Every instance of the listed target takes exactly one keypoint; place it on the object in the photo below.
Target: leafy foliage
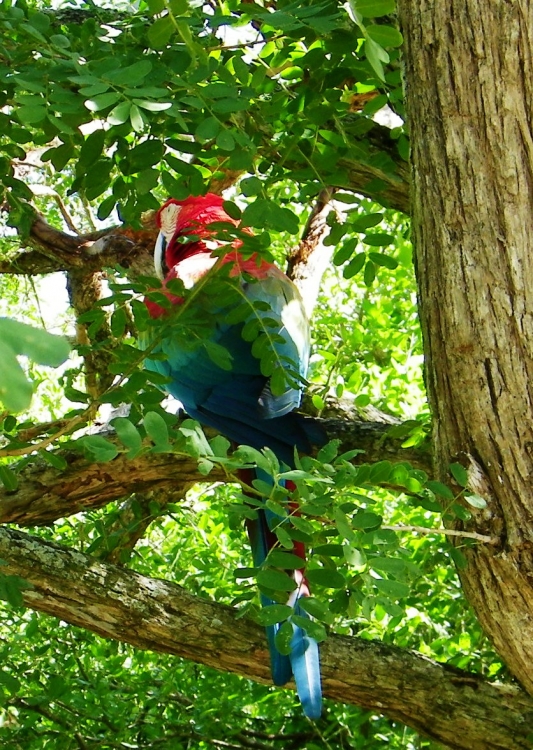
(41, 347)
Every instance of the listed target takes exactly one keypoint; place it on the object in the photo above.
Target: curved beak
(159, 255)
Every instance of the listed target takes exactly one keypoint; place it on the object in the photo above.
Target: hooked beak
(159, 255)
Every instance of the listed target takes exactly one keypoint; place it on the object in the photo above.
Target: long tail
(303, 661)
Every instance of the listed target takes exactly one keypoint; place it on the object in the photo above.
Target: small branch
(65, 214)
(447, 532)
(308, 263)
(68, 426)
(85, 289)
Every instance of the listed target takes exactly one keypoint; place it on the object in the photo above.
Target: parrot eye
(161, 267)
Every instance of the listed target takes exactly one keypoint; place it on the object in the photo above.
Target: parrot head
(190, 216)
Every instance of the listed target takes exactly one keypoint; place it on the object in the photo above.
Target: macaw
(237, 398)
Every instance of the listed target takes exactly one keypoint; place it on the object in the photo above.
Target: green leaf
(15, 390)
(10, 682)
(331, 579)
(313, 629)
(396, 589)
(378, 240)
(54, 459)
(128, 435)
(383, 260)
(393, 565)
(380, 472)
(132, 74)
(156, 429)
(92, 148)
(31, 114)
(241, 573)
(251, 186)
(273, 613)
(374, 8)
(119, 114)
(329, 550)
(354, 556)
(458, 558)
(459, 473)
(218, 354)
(225, 140)
(208, 129)
(8, 478)
(106, 207)
(96, 88)
(440, 489)
(152, 106)
(354, 266)
(276, 580)
(366, 221)
(367, 520)
(287, 560)
(476, 501)
(386, 36)
(136, 119)
(160, 32)
(98, 448)
(283, 638)
(283, 219)
(38, 345)
(376, 56)
(96, 103)
(145, 155)
(345, 251)
(316, 608)
(284, 538)
(118, 322)
(343, 525)
(11, 588)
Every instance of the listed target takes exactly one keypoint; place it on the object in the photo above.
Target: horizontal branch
(53, 250)
(45, 493)
(456, 708)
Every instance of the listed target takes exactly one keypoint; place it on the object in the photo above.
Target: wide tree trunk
(469, 80)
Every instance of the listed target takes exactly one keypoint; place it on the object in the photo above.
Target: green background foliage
(107, 110)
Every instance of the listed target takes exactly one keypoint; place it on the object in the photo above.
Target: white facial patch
(168, 219)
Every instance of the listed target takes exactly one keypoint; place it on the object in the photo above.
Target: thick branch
(54, 250)
(308, 262)
(46, 494)
(459, 709)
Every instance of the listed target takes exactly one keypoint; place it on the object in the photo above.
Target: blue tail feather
(303, 662)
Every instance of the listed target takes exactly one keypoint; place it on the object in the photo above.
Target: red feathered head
(191, 216)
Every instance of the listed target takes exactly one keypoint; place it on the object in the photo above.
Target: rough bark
(307, 264)
(469, 71)
(456, 708)
(46, 494)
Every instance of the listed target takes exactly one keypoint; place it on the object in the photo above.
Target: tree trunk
(469, 77)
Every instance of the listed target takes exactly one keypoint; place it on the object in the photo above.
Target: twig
(24, 450)
(447, 532)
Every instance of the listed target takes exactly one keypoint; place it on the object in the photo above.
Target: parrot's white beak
(159, 255)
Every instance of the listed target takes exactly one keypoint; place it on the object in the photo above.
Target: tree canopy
(130, 612)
